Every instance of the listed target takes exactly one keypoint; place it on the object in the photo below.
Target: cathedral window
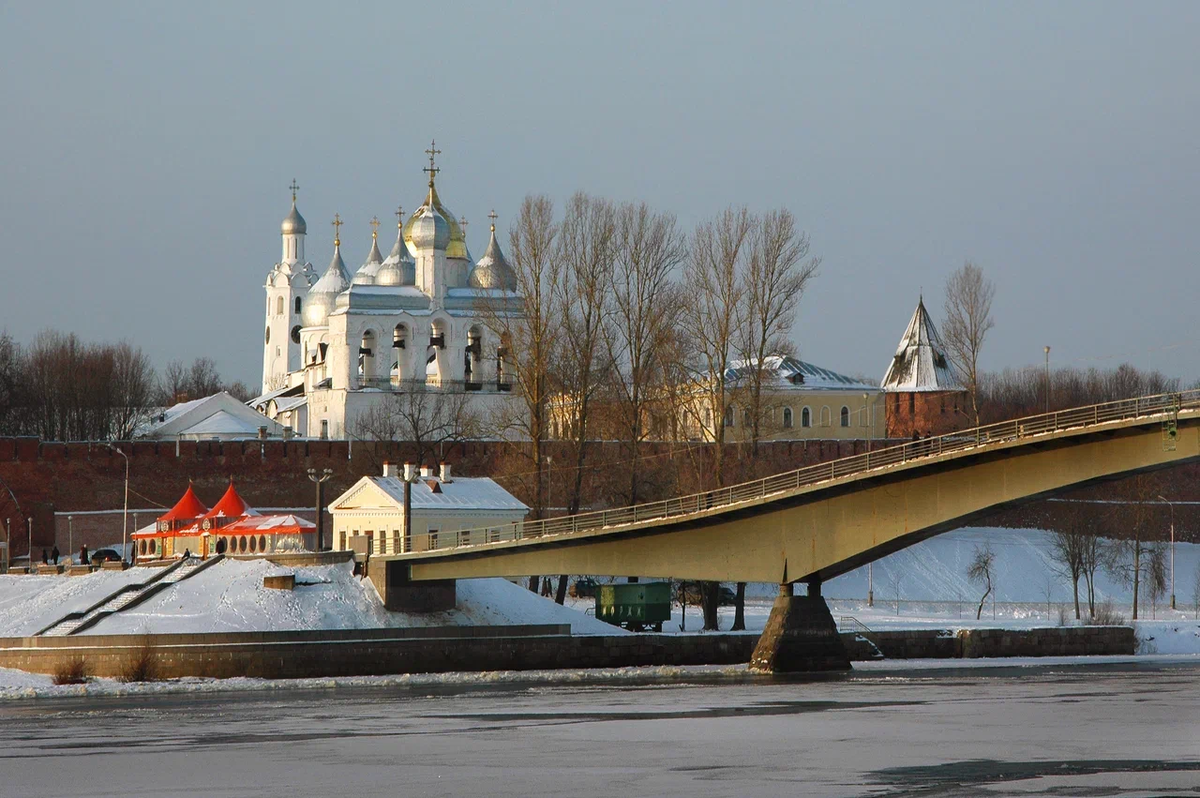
(279, 306)
(845, 416)
(806, 417)
(787, 418)
(297, 306)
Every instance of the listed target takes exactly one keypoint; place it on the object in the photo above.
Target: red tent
(187, 508)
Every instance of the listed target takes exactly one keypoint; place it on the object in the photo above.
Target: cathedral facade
(342, 343)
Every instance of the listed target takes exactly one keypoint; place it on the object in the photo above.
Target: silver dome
(367, 272)
(431, 230)
(492, 271)
(323, 295)
(294, 223)
(399, 268)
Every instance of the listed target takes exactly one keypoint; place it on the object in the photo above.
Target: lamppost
(125, 509)
(70, 534)
(1172, 506)
(870, 436)
(319, 478)
(1047, 380)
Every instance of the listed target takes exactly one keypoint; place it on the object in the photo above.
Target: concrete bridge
(817, 522)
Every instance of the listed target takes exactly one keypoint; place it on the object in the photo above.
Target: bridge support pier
(401, 594)
(800, 635)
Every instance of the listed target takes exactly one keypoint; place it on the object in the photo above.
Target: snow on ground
(230, 597)
(29, 603)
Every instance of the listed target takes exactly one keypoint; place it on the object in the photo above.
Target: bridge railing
(932, 447)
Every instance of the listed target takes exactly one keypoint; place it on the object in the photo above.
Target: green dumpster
(635, 606)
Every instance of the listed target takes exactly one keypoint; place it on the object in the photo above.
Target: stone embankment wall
(292, 655)
(368, 652)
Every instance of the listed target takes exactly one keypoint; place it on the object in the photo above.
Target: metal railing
(904, 454)
(397, 385)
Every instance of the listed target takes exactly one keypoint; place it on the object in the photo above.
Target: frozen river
(1097, 729)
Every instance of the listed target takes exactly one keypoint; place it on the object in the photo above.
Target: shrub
(1107, 615)
(71, 672)
(142, 666)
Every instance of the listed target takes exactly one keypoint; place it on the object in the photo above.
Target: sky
(146, 150)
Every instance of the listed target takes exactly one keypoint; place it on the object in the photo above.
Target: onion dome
(323, 294)
(398, 268)
(456, 247)
(366, 273)
(431, 229)
(188, 508)
(492, 271)
(293, 223)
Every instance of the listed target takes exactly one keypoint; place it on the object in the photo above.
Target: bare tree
(581, 360)
(981, 570)
(1124, 557)
(1069, 548)
(133, 390)
(968, 312)
(776, 276)
(528, 337)
(1154, 571)
(641, 329)
(431, 421)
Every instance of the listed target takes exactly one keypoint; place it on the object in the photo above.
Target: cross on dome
(432, 152)
(462, 221)
(294, 187)
(337, 228)
(493, 217)
(399, 215)
(374, 227)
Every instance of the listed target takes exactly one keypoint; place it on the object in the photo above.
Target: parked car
(105, 555)
(584, 587)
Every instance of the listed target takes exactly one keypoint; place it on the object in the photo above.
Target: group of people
(51, 558)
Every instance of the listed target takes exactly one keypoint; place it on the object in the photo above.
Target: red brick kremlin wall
(51, 480)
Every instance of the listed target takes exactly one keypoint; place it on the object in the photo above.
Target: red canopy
(230, 506)
(186, 508)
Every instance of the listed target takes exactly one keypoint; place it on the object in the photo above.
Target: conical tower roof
(231, 505)
(920, 362)
(187, 508)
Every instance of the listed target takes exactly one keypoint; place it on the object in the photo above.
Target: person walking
(45, 558)
(83, 555)
(54, 554)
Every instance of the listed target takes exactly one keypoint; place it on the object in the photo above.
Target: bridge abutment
(401, 594)
(800, 635)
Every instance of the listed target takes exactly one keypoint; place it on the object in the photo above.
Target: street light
(1172, 506)
(1047, 380)
(320, 478)
(125, 509)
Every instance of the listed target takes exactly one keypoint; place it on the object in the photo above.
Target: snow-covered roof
(785, 372)
(216, 416)
(920, 362)
(459, 493)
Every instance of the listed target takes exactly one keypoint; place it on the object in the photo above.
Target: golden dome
(457, 248)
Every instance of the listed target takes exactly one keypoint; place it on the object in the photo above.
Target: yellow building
(371, 513)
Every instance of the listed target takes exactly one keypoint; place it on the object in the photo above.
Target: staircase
(862, 632)
(128, 596)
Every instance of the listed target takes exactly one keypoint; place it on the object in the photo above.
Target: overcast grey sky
(146, 151)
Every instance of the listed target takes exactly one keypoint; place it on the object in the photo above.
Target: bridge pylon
(800, 635)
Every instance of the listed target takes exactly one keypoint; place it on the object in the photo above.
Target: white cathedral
(414, 321)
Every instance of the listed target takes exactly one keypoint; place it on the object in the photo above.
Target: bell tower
(287, 290)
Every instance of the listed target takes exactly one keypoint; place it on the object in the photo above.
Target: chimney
(426, 472)
(409, 472)
(262, 433)
(445, 471)
(389, 470)
(287, 433)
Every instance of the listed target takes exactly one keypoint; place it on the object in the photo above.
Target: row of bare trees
(62, 388)
(626, 318)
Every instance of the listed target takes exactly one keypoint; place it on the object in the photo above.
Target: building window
(268, 335)
(729, 418)
(746, 422)
(279, 306)
(297, 306)
(324, 429)
(343, 540)
(395, 541)
(845, 416)
(433, 538)
(787, 418)
(806, 417)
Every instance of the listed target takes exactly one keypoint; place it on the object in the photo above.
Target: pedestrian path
(128, 596)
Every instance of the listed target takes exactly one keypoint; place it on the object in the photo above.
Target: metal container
(635, 606)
